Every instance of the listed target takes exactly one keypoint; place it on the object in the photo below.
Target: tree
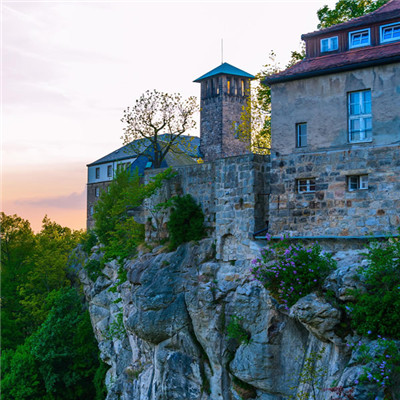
(153, 114)
(345, 10)
(254, 126)
(17, 244)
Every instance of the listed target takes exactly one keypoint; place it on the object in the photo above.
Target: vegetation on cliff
(48, 346)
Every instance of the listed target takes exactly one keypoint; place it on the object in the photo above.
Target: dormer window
(390, 33)
(329, 44)
(359, 38)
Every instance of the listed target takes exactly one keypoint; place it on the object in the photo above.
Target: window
(306, 185)
(360, 119)
(359, 38)
(109, 171)
(91, 210)
(357, 182)
(97, 192)
(98, 173)
(242, 86)
(329, 44)
(390, 33)
(301, 135)
(217, 84)
(228, 86)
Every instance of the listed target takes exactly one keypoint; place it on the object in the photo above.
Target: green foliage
(186, 221)
(290, 272)
(17, 245)
(99, 379)
(381, 360)
(48, 347)
(236, 331)
(59, 360)
(119, 233)
(88, 241)
(93, 268)
(116, 329)
(345, 10)
(311, 376)
(377, 311)
(65, 348)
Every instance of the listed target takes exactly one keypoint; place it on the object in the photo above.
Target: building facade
(335, 165)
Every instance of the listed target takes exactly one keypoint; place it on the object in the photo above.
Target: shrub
(377, 311)
(291, 271)
(380, 360)
(94, 268)
(186, 221)
(236, 331)
(89, 239)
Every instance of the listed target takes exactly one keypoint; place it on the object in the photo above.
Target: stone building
(335, 166)
(102, 171)
(224, 94)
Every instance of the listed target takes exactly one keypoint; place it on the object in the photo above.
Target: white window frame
(357, 182)
(364, 134)
(306, 185)
(300, 138)
(332, 44)
(359, 32)
(391, 26)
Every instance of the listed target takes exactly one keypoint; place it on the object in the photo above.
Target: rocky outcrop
(164, 332)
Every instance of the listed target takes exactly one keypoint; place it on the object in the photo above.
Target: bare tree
(160, 120)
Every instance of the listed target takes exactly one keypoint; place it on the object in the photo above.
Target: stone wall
(332, 209)
(92, 200)
(233, 193)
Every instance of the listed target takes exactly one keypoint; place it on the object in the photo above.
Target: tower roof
(226, 69)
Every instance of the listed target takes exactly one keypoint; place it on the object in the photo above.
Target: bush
(377, 311)
(292, 271)
(236, 331)
(186, 221)
(89, 239)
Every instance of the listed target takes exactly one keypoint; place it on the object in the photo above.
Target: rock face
(164, 332)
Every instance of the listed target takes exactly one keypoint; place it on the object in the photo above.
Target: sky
(70, 68)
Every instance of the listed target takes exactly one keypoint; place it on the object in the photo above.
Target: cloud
(73, 201)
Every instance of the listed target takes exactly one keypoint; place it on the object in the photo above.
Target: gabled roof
(225, 69)
(345, 61)
(129, 151)
(389, 10)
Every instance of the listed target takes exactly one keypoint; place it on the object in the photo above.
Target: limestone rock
(318, 316)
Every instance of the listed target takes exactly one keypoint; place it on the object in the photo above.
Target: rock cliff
(168, 332)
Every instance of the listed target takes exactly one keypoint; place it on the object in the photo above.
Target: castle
(334, 167)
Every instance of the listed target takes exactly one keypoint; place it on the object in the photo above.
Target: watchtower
(224, 94)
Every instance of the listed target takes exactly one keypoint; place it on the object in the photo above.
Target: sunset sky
(70, 68)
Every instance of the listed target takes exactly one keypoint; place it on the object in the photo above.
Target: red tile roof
(359, 58)
(389, 10)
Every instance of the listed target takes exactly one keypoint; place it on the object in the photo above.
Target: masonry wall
(92, 199)
(333, 210)
(233, 193)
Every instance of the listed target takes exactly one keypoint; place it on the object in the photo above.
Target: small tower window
(236, 87)
(217, 81)
(242, 87)
(228, 86)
